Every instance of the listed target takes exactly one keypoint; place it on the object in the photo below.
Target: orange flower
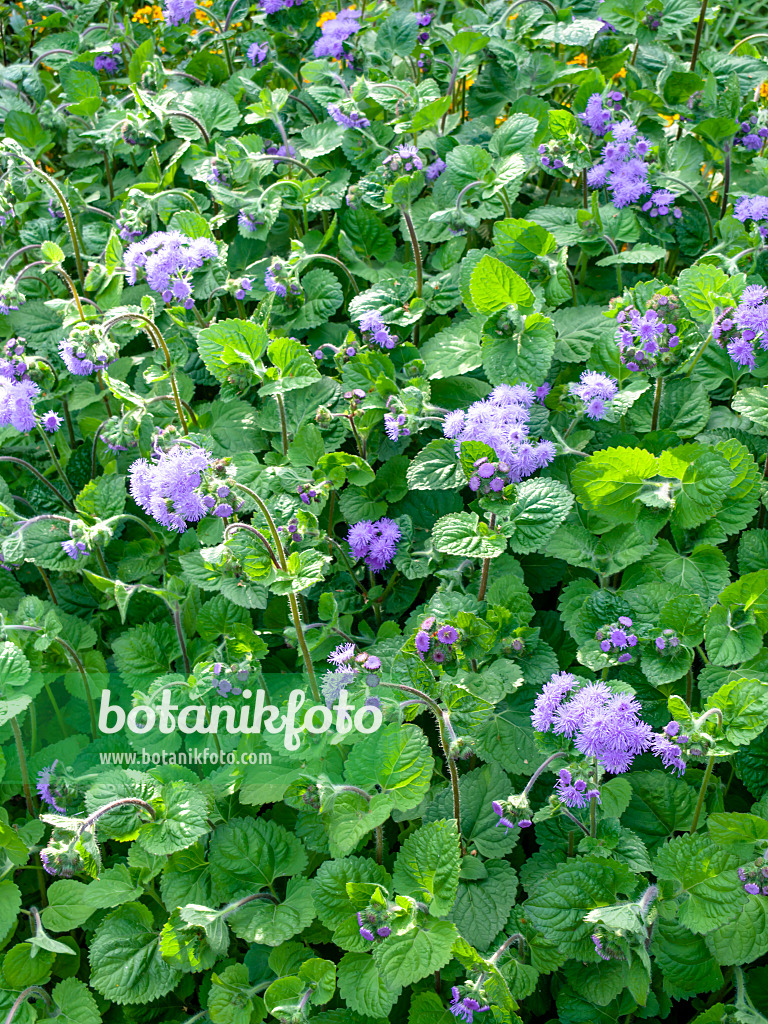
(621, 73)
(581, 59)
(764, 91)
(326, 16)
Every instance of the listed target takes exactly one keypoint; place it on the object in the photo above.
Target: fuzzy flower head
(617, 640)
(501, 422)
(378, 333)
(61, 857)
(662, 204)
(755, 209)
(10, 296)
(376, 542)
(352, 119)
(650, 340)
(17, 403)
(182, 486)
(257, 53)
(169, 260)
(575, 789)
(405, 160)
(596, 117)
(279, 279)
(465, 1003)
(335, 32)
(87, 349)
(740, 330)
(623, 169)
(754, 876)
(594, 390)
(46, 788)
(178, 12)
(601, 723)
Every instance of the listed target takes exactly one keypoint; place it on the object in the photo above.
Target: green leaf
(660, 806)
(414, 952)
(181, 817)
(322, 297)
(540, 506)
(427, 866)
(705, 880)
(271, 924)
(396, 759)
(482, 906)
(494, 286)
(744, 704)
(734, 829)
(702, 288)
(103, 497)
(75, 1003)
(453, 351)
(753, 403)
(230, 348)
(526, 355)
(126, 965)
(558, 909)
(251, 853)
(295, 365)
(610, 481)
(81, 87)
(686, 966)
(436, 467)
(732, 636)
(704, 477)
(477, 790)
(362, 987)
(465, 535)
(330, 892)
(638, 254)
(744, 938)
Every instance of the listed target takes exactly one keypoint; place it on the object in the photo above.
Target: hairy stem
(24, 771)
(702, 793)
(656, 403)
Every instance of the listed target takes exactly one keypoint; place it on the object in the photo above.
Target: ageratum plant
(383, 461)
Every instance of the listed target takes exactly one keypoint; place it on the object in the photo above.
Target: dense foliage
(383, 499)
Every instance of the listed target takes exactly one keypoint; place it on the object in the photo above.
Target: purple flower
(107, 62)
(542, 391)
(335, 31)
(169, 259)
(178, 12)
(422, 642)
(74, 548)
(375, 542)
(385, 930)
(342, 655)
(248, 222)
(372, 324)
(465, 1006)
(51, 421)
(45, 791)
(752, 889)
(596, 117)
(17, 398)
(257, 53)
(594, 390)
(177, 487)
(367, 934)
(435, 169)
(447, 635)
(661, 204)
(351, 120)
(273, 285)
(575, 792)
(273, 6)
(601, 723)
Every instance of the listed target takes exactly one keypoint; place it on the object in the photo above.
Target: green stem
(40, 477)
(702, 793)
(67, 214)
(656, 403)
(699, 30)
(416, 251)
(25, 785)
(283, 423)
(291, 596)
(57, 711)
(33, 992)
(486, 565)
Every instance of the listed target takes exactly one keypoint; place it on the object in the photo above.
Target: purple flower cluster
(352, 120)
(108, 62)
(178, 12)
(14, 363)
(87, 349)
(181, 486)
(376, 542)
(598, 117)
(346, 664)
(46, 790)
(667, 640)
(372, 924)
(242, 287)
(441, 640)
(396, 427)
(623, 169)
(335, 32)
(617, 638)
(645, 339)
(435, 169)
(755, 876)
(373, 324)
(465, 1005)
(257, 53)
(575, 791)
(224, 686)
(273, 6)
(662, 204)
(10, 297)
(406, 159)
(667, 745)
(501, 422)
(169, 259)
(595, 390)
(514, 812)
(277, 279)
(74, 548)
(750, 136)
(605, 953)
(248, 222)
(17, 403)
(601, 723)
(738, 329)
(754, 208)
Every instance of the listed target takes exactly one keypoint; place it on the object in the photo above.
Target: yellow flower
(670, 118)
(621, 73)
(500, 120)
(470, 83)
(581, 59)
(326, 16)
(764, 91)
(714, 197)
(152, 12)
